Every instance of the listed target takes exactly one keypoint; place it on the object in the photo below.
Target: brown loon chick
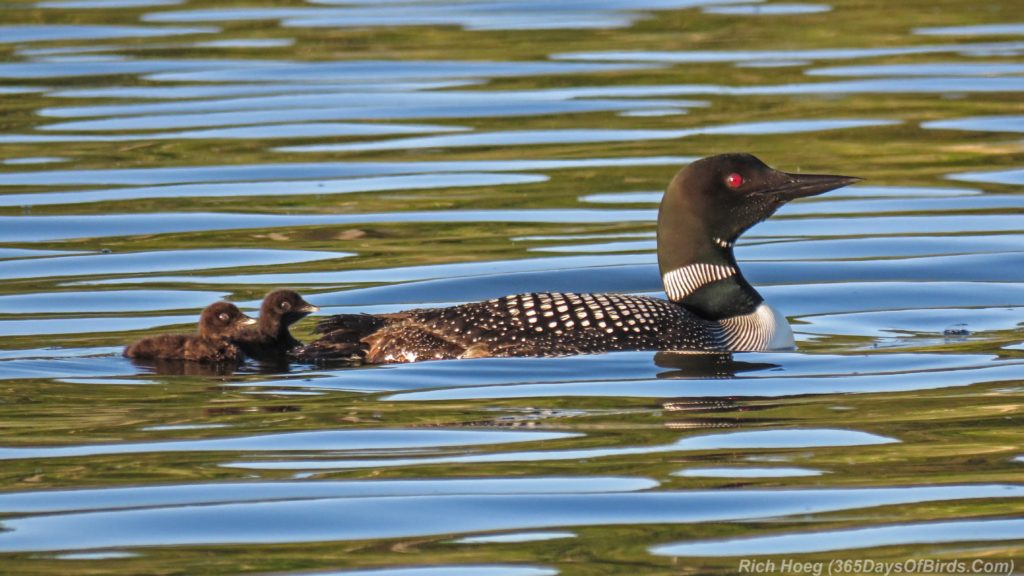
(269, 340)
(710, 306)
(217, 324)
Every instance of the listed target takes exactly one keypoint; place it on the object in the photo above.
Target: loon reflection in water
(710, 306)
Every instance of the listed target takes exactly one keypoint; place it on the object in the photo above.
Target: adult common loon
(710, 306)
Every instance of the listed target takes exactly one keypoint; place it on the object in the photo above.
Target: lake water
(158, 155)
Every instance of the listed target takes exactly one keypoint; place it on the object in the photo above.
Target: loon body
(710, 306)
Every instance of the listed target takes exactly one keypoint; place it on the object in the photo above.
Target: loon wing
(380, 339)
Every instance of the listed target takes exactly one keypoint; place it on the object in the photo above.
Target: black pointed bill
(803, 185)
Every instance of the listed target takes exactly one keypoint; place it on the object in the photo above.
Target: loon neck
(712, 285)
(271, 326)
(698, 269)
(705, 279)
(713, 288)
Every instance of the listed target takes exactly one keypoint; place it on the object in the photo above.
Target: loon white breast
(710, 305)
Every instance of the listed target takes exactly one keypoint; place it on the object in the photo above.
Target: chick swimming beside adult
(270, 340)
(218, 323)
(710, 306)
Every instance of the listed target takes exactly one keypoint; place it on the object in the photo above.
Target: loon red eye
(734, 180)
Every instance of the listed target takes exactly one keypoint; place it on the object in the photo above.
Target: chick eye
(286, 305)
(734, 180)
(223, 316)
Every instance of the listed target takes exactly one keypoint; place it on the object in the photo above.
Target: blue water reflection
(775, 439)
(901, 534)
(299, 441)
(388, 517)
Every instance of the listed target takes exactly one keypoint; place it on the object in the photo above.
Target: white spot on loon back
(534, 325)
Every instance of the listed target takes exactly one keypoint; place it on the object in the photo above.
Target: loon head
(705, 209)
(282, 308)
(222, 319)
(729, 193)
